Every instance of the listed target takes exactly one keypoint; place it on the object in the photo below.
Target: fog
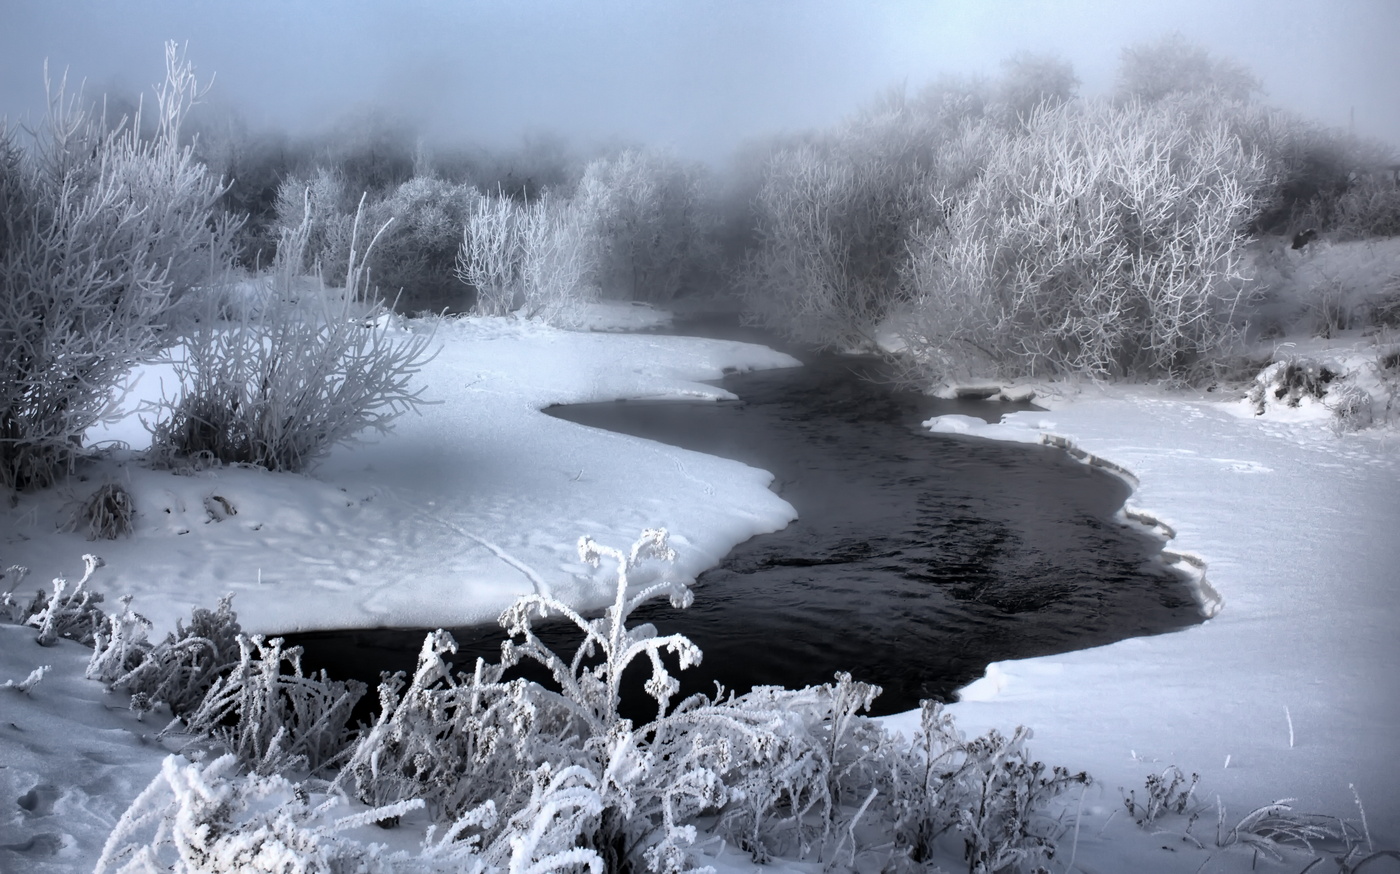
(699, 76)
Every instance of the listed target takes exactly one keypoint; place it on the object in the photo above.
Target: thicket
(838, 215)
(534, 259)
(1005, 226)
(834, 219)
(412, 261)
(102, 232)
(514, 775)
(650, 223)
(1105, 241)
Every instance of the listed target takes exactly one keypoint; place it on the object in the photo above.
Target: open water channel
(915, 562)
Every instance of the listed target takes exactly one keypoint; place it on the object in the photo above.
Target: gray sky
(697, 75)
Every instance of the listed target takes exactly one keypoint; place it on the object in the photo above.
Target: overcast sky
(696, 75)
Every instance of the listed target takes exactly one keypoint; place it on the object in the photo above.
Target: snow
(1290, 690)
(474, 501)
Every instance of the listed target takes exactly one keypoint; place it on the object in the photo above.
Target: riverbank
(1290, 691)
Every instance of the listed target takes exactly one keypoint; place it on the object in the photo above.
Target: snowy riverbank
(1291, 690)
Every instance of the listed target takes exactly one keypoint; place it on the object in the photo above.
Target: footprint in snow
(39, 800)
(42, 844)
(1238, 466)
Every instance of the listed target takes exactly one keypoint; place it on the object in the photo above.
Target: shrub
(205, 819)
(202, 819)
(275, 720)
(1167, 792)
(416, 257)
(649, 222)
(1172, 65)
(835, 220)
(1290, 382)
(279, 386)
(177, 672)
(70, 612)
(1320, 178)
(1352, 407)
(107, 513)
(535, 260)
(1030, 81)
(1369, 206)
(1105, 241)
(454, 742)
(315, 216)
(100, 232)
(987, 790)
(516, 775)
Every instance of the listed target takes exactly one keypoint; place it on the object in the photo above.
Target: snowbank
(1290, 691)
(446, 520)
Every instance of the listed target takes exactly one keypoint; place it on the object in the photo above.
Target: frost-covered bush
(1167, 792)
(71, 612)
(1320, 178)
(177, 672)
(649, 221)
(1386, 370)
(778, 766)
(415, 259)
(516, 777)
(987, 791)
(273, 719)
(1105, 241)
(106, 514)
(1370, 204)
(453, 741)
(1173, 65)
(280, 385)
(102, 229)
(1030, 81)
(535, 259)
(314, 216)
(1352, 408)
(1290, 382)
(205, 819)
(836, 218)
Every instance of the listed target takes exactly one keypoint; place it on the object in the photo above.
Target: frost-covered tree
(534, 259)
(102, 230)
(649, 222)
(835, 219)
(1105, 241)
(1151, 71)
(1030, 81)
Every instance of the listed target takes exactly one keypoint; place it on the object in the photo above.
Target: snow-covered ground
(1289, 691)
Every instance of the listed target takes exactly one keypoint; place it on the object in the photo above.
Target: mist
(696, 77)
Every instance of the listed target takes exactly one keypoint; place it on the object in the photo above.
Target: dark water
(916, 560)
